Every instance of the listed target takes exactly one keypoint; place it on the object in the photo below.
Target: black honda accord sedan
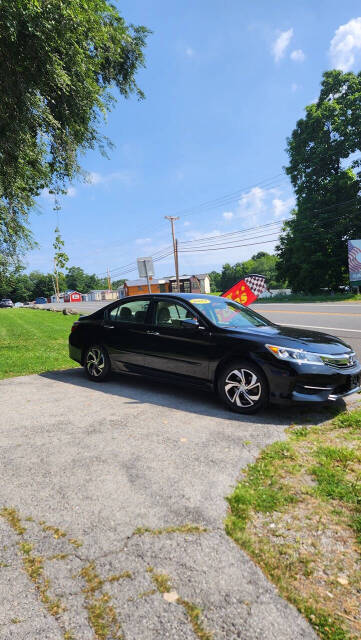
(212, 341)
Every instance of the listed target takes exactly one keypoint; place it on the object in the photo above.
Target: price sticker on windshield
(200, 301)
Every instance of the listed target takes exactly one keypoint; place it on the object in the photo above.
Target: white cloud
(189, 52)
(252, 204)
(345, 44)
(187, 223)
(280, 45)
(228, 215)
(94, 178)
(71, 192)
(143, 240)
(297, 55)
(281, 207)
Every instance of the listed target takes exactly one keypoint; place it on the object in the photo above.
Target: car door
(174, 348)
(125, 333)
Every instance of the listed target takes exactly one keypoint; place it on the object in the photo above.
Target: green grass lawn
(32, 341)
(297, 513)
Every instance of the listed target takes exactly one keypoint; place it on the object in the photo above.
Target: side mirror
(190, 323)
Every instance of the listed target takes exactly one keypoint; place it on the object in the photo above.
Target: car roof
(182, 296)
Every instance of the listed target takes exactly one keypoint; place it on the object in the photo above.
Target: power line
(227, 247)
(229, 244)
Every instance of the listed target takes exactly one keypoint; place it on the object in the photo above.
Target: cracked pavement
(84, 465)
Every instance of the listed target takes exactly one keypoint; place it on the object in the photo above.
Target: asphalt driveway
(85, 470)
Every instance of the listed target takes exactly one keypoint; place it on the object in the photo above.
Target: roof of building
(199, 276)
(143, 282)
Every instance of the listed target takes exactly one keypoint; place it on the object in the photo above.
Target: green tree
(42, 284)
(215, 281)
(326, 178)
(60, 61)
(75, 279)
(60, 258)
(21, 288)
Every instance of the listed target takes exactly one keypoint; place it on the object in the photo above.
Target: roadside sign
(354, 262)
(145, 267)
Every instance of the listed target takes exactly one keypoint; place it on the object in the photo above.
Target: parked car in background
(18, 304)
(211, 341)
(40, 300)
(6, 303)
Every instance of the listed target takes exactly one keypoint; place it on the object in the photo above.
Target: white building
(102, 294)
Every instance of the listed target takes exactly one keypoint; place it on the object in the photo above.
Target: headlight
(294, 355)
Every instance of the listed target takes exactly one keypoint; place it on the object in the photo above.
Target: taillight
(75, 326)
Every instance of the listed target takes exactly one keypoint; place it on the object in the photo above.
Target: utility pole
(109, 280)
(175, 248)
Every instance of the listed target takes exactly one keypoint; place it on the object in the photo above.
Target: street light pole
(175, 249)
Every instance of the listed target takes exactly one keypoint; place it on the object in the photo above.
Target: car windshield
(227, 313)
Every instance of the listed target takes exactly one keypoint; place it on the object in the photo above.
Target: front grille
(343, 361)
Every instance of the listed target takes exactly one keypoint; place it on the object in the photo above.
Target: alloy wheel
(95, 362)
(243, 388)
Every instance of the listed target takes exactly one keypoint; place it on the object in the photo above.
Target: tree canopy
(60, 62)
(261, 263)
(325, 174)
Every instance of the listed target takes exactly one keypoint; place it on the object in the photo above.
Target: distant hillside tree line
(21, 287)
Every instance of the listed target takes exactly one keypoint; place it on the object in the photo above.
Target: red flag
(247, 290)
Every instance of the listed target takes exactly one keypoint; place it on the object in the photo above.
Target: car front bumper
(307, 383)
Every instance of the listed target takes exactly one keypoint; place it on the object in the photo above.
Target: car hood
(314, 341)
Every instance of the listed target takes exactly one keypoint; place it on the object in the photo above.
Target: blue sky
(225, 83)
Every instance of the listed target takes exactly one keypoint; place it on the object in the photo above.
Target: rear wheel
(243, 387)
(97, 363)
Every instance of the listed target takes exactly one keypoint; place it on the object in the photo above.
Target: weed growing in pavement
(163, 584)
(183, 528)
(101, 614)
(297, 512)
(194, 615)
(33, 565)
(57, 533)
(13, 519)
(119, 576)
(76, 543)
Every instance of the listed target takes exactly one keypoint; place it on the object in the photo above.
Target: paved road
(84, 465)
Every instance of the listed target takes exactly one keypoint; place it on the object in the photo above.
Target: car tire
(97, 363)
(243, 387)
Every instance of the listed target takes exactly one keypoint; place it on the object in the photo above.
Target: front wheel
(97, 363)
(243, 387)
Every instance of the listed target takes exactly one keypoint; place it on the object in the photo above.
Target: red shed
(72, 296)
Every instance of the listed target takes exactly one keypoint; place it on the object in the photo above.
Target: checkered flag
(256, 283)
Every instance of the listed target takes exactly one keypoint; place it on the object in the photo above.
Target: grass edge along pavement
(297, 513)
(32, 341)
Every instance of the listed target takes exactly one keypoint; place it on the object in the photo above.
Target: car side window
(171, 314)
(134, 311)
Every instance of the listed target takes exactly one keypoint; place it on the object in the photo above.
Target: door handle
(109, 326)
(153, 333)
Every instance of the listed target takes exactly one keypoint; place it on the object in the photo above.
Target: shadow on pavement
(139, 390)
